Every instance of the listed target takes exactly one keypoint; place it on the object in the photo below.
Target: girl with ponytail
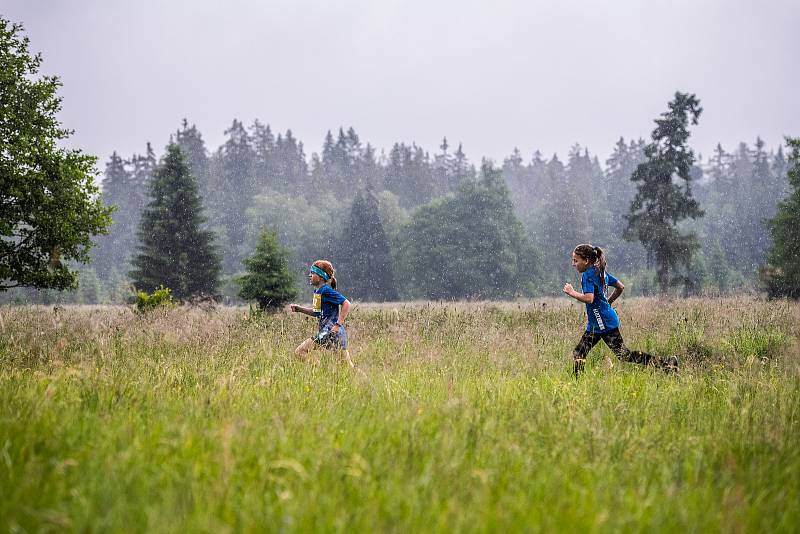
(603, 321)
(330, 307)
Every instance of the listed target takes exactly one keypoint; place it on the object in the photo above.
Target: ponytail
(600, 263)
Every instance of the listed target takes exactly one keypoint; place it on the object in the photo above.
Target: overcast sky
(490, 74)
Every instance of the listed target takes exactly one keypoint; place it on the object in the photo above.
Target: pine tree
(753, 237)
(291, 169)
(268, 280)
(370, 170)
(233, 190)
(191, 143)
(564, 223)
(627, 256)
(664, 196)
(115, 248)
(364, 261)
(173, 250)
(781, 275)
(518, 178)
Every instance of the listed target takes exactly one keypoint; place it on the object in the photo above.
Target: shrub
(162, 296)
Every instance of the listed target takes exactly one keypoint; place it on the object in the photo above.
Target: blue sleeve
(331, 295)
(610, 280)
(587, 284)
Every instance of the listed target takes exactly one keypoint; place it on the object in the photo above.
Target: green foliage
(302, 225)
(90, 290)
(468, 246)
(663, 195)
(160, 297)
(781, 275)
(50, 207)
(232, 188)
(364, 264)
(174, 250)
(268, 280)
(124, 188)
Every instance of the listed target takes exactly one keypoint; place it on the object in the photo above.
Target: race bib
(317, 302)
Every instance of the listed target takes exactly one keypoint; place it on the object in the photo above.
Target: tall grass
(457, 418)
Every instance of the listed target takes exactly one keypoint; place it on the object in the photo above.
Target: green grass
(457, 418)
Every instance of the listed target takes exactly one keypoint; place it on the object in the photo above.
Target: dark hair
(327, 266)
(596, 257)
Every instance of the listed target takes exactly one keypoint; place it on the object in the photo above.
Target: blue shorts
(335, 340)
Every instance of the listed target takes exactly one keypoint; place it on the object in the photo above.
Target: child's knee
(302, 349)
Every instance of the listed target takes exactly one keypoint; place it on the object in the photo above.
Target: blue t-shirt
(602, 316)
(326, 304)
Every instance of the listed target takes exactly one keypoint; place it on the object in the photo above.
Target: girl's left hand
(568, 289)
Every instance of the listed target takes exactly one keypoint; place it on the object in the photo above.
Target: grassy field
(456, 418)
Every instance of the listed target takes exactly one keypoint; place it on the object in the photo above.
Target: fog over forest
(455, 151)
(362, 208)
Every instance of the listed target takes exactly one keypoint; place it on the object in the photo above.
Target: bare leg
(303, 349)
(346, 354)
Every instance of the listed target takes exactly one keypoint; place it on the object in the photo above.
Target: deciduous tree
(50, 207)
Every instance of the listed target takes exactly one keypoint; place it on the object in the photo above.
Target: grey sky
(493, 74)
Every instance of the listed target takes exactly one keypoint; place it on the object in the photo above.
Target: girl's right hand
(568, 289)
(293, 307)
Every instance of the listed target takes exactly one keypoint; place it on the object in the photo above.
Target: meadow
(458, 417)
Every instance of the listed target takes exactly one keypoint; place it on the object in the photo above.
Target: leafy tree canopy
(49, 204)
(470, 245)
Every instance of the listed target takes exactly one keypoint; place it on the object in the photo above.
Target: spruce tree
(290, 164)
(564, 223)
(364, 264)
(268, 280)
(114, 248)
(781, 275)
(264, 165)
(174, 251)
(194, 150)
(664, 196)
(233, 190)
(627, 256)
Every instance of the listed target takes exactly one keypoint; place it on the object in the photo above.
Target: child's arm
(344, 309)
(302, 309)
(618, 288)
(586, 298)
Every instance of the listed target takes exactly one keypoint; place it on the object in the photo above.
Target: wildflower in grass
(603, 321)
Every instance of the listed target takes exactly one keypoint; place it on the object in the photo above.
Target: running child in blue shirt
(603, 320)
(331, 307)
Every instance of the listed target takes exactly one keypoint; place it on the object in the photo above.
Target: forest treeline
(415, 224)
